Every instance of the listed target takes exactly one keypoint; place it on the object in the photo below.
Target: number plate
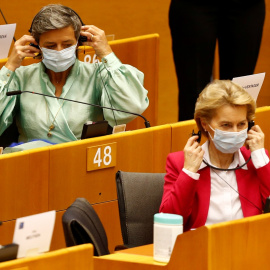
(101, 156)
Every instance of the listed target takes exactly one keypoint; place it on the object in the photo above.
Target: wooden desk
(51, 178)
(79, 257)
(146, 250)
(240, 244)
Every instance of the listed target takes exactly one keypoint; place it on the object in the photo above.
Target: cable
(236, 190)
(232, 169)
(97, 67)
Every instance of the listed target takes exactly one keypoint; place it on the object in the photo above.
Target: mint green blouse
(108, 83)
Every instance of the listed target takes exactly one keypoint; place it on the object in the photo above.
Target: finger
(26, 49)
(254, 135)
(257, 128)
(91, 29)
(25, 39)
(191, 140)
(198, 150)
(90, 36)
(29, 48)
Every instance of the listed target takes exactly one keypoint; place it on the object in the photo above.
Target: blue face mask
(228, 142)
(59, 61)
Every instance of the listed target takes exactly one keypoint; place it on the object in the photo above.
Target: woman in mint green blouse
(56, 30)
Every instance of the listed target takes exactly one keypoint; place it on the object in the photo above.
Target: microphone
(18, 92)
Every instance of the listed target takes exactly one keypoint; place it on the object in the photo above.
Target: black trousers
(195, 26)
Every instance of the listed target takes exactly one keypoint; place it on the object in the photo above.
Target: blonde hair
(217, 94)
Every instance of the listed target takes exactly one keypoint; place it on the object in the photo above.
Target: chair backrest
(82, 225)
(10, 135)
(139, 198)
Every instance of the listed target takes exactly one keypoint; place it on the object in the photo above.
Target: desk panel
(79, 257)
(24, 183)
(181, 131)
(6, 232)
(240, 244)
(109, 216)
(138, 151)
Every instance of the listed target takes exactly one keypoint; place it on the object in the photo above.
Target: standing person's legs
(240, 34)
(193, 30)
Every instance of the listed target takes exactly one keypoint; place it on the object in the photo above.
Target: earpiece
(197, 134)
(250, 124)
(34, 45)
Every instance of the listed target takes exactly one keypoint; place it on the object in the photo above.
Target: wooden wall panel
(136, 151)
(24, 184)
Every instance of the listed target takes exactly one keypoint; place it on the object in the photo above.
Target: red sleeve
(262, 173)
(179, 188)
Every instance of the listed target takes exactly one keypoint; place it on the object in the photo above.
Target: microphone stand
(13, 93)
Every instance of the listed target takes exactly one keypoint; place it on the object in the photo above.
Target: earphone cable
(97, 67)
(220, 169)
(236, 190)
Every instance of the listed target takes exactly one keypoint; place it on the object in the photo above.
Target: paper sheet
(6, 35)
(251, 83)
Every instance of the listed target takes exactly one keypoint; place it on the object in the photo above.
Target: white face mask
(59, 61)
(228, 142)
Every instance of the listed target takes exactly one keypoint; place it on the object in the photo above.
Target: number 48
(101, 156)
(107, 158)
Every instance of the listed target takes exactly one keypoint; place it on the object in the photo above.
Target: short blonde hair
(217, 94)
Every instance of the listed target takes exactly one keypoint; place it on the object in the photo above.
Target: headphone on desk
(81, 38)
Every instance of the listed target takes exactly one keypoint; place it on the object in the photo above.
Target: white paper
(6, 35)
(34, 233)
(251, 83)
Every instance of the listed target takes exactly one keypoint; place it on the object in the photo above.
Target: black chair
(10, 135)
(139, 198)
(82, 225)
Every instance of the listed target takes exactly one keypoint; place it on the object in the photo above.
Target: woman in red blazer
(221, 180)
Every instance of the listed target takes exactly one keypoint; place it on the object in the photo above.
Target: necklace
(52, 126)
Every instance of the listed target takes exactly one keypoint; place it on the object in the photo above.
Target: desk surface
(138, 255)
(146, 250)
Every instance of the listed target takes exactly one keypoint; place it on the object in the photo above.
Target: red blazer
(191, 198)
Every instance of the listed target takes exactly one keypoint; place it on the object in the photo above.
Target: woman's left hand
(97, 39)
(255, 139)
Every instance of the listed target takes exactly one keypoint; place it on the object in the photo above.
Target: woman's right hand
(21, 49)
(193, 155)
